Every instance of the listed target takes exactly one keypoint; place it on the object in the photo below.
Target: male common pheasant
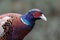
(14, 26)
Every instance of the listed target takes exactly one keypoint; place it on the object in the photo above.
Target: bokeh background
(49, 30)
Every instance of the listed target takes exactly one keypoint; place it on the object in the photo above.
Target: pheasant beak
(43, 17)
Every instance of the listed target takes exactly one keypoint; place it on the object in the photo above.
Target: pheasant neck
(28, 19)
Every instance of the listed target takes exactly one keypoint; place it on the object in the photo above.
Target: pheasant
(15, 26)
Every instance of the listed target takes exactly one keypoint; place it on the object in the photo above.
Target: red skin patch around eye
(36, 14)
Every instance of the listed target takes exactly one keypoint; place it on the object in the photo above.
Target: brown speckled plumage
(18, 30)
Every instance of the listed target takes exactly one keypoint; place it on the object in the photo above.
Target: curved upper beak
(43, 17)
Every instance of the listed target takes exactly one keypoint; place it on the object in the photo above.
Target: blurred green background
(49, 30)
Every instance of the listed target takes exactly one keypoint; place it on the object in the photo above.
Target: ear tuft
(34, 10)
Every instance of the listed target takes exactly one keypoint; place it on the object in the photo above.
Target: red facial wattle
(36, 14)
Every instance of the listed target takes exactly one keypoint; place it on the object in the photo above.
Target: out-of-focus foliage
(49, 30)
